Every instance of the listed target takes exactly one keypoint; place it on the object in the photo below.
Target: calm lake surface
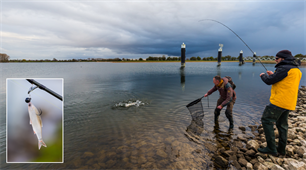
(160, 133)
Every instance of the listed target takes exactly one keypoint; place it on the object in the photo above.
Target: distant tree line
(163, 58)
(6, 58)
(68, 60)
(211, 58)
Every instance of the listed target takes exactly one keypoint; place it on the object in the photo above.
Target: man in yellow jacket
(284, 92)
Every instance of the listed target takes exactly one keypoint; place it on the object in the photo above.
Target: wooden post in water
(220, 54)
(240, 58)
(183, 56)
(254, 56)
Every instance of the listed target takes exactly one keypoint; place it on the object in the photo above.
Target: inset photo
(34, 120)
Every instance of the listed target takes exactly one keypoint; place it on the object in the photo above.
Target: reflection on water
(157, 135)
(182, 73)
(196, 126)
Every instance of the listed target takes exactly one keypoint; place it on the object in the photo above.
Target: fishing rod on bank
(238, 37)
(32, 81)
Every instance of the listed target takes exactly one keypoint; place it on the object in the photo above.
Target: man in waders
(284, 92)
(227, 98)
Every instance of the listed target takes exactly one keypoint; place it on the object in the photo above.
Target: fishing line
(238, 37)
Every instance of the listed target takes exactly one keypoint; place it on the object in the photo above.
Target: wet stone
(263, 156)
(161, 153)
(255, 134)
(101, 158)
(134, 159)
(242, 139)
(175, 143)
(150, 154)
(161, 130)
(232, 158)
(110, 163)
(241, 128)
(228, 153)
(250, 153)
(269, 164)
(248, 158)
(125, 159)
(147, 165)
(221, 162)
(170, 139)
(236, 164)
(249, 166)
(210, 147)
(253, 127)
(138, 145)
(256, 165)
(77, 162)
(197, 151)
(240, 156)
(238, 144)
(134, 152)
(102, 165)
(122, 149)
(254, 144)
(240, 152)
(254, 161)
(84, 167)
(111, 155)
(96, 166)
(242, 162)
(279, 161)
(142, 160)
(177, 165)
(88, 154)
(243, 149)
(90, 162)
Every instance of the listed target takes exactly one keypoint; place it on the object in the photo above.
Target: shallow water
(159, 134)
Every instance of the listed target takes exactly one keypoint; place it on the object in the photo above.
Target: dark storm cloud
(82, 29)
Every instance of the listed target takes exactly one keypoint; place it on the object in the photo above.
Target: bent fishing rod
(238, 37)
(32, 81)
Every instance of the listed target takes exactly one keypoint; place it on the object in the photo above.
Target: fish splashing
(130, 103)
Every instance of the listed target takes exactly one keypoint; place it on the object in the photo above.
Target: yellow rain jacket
(285, 84)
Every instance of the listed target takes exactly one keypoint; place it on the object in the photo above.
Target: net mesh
(195, 108)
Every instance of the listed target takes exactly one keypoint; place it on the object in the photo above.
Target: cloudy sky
(37, 29)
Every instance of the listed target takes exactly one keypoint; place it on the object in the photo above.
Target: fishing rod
(32, 81)
(238, 37)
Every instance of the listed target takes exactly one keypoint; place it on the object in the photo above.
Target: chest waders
(270, 115)
(228, 111)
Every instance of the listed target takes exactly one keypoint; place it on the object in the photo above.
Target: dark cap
(285, 54)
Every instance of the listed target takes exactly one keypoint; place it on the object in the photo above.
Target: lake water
(160, 133)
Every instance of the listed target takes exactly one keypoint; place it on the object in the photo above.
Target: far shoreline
(303, 63)
(265, 62)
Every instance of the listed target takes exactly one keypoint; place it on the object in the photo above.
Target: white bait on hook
(35, 121)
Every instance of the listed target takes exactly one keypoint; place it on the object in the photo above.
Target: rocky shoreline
(243, 152)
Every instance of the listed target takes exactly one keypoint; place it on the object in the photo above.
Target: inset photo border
(34, 120)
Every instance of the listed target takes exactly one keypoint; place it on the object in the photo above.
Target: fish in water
(130, 103)
(35, 121)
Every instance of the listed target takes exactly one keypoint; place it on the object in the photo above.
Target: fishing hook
(32, 89)
(238, 37)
